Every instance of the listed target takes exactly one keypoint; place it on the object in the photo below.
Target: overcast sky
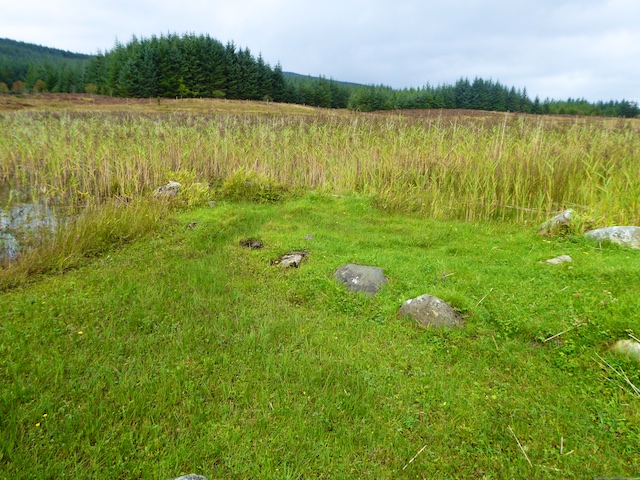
(554, 48)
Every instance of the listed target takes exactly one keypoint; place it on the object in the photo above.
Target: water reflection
(21, 217)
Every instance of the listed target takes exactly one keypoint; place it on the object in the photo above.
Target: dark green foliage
(61, 71)
(477, 95)
(184, 66)
(578, 106)
(278, 84)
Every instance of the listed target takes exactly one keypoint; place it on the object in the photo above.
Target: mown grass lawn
(184, 352)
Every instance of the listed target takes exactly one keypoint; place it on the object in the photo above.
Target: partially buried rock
(430, 311)
(168, 190)
(361, 278)
(557, 223)
(628, 348)
(252, 243)
(191, 476)
(293, 259)
(624, 236)
(560, 259)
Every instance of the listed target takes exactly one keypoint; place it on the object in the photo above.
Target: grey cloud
(555, 48)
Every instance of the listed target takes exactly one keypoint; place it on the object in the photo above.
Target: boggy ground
(185, 352)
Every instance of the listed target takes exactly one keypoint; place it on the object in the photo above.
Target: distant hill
(15, 49)
(297, 76)
(16, 58)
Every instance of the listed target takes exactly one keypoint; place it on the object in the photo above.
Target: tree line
(184, 66)
(478, 94)
(192, 65)
(25, 67)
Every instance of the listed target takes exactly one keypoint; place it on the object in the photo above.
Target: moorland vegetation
(140, 339)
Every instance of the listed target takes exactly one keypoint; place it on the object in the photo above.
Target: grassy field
(133, 346)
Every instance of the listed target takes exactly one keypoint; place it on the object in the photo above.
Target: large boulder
(624, 236)
(361, 278)
(430, 311)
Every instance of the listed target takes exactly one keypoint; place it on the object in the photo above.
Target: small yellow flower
(80, 332)
(45, 415)
(38, 424)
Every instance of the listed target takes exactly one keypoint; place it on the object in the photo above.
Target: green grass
(184, 352)
(92, 232)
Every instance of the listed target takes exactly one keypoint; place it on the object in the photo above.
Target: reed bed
(502, 167)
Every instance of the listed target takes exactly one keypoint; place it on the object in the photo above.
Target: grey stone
(628, 348)
(560, 259)
(252, 243)
(624, 236)
(430, 311)
(556, 223)
(191, 476)
(293, 259)
(361, 278)
(170, 189)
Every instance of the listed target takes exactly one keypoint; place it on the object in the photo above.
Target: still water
(21, 217)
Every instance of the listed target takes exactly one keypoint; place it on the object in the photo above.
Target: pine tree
(278, 85)
(170, 62)
(248, 85)
(462, 92)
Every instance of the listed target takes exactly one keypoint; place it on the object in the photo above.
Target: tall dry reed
(504, 167)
